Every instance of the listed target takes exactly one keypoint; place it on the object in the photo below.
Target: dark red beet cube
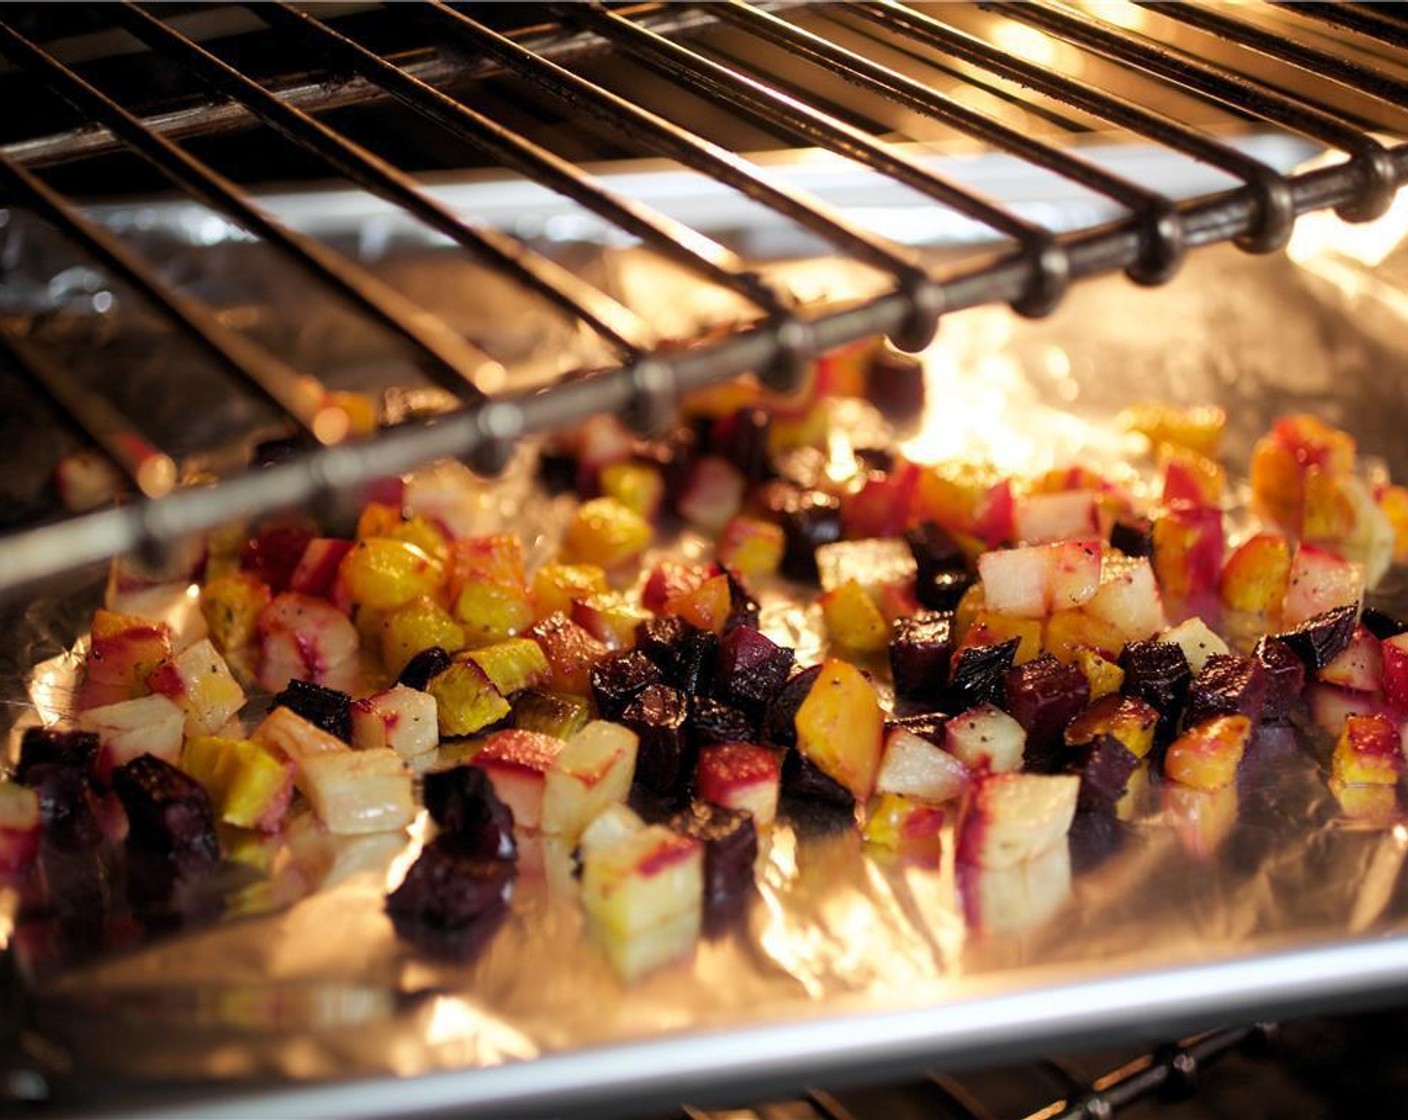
(742, 439)
(327, 708)
(927, 725)
(1044, 695)
(895, 384)
(1105, 766)
(557, 471)
(1157, 673)
(751, 669)
(941, 569)
(168, 812)
(1318, 641)
(1285, 677)
(618, 679)
(713, 722)
(685, 655)
(1382, 624)
(920, 651)
(275, 552)
(1133, 536)
(730, 842)
(809, 521)
(801, 778)
(447, 887)
(1095, 837)
(743, 609)
(977, 674)
(425, 666)
(46, 746)
(660, 638)
(659, 716)
(1228, 685)
(62, 791)
(779, 724)
(471, 817)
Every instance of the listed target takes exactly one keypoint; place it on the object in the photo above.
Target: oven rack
(1332, 74)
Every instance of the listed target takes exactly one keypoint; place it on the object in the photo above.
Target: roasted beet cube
(168, 812)
(920, 651)
(1133, 536)
(779, 724)
(421, 669)
(713, 722)
(1095, 836)
(165, 894)
(895, 384)
(932, 726)
(730, 847)
(742, 439)
(659, 716)
(470, 815)
(1285, 677)
(1228, 685)
(942, 591)
(686, 655)
(743, 609)
(1157, 673)
(47, 746)
(1044, 695)
(448, 887)
(1105, 766)
(977, 674)
(751, 669)
(275, 552)
(801, 778)
(1318, 641)
(619, 678)
(62, 792)
(935, 549)
(557, 471)
(1382, 624)
(809, 521)
(327, 708)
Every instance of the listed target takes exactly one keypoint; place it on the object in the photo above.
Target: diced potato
(1197, 641)
(402, 719)
(199, 682)
(593, 770)
(355, 792)
(645, 880)
(752, 547)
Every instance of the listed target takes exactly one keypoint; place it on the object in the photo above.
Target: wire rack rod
(323, 91)
(455, 360)
(671, 238)
(536, 273)
(297, 394)
(1366, 19)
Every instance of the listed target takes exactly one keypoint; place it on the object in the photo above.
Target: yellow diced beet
(637, 486)
(1198, 429)
(231, 605)
(377, 519)
(571, 652)
(385, 574)
(493, 559)
(751, 546)
(990, 628)
(466, 698)
(607, 533)
(1068, 632)
(1128, 719)
(513, 665)
(1105, 677)
(557, 586)
(491, 612)
(611, 618)
(419, 625)
(425, 536)
(707, 606)
(853, 620)
(1393, 500)
(1368, 752)
(840, 728)
(1206, 756)
(900, 823)
(1255, 575)
(250, 784)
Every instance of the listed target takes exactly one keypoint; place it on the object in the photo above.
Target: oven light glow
(1369, 243)
(1027, 43)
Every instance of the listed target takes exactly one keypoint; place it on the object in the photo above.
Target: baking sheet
(843, 957)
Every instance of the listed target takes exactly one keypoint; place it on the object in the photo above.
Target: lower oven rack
(1291, 69)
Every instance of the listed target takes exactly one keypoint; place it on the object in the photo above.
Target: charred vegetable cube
(730, 841)
(1319, 640)
(803, 779)
(751, 669)
(327, 708)
(448, 888)
(619, 678)
(809, 521)
(424, 666)
(1285, 677)
(920, 652)
(658, 716)
(168, 812)
(711, 721)
(49, 746)
(1228, 685)
(1105, 766)
(779, 722)
(978, 673)
(1157, 673)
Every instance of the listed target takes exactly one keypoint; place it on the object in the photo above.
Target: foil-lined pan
(1188, 908)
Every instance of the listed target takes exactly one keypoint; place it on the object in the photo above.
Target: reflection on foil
(304, 976)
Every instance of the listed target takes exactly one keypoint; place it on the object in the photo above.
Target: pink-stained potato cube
(1007, 819)
(1394, 652)
(1359, 666)
(517, 763)
(1369, 752)
(1128, 598)
(148, 725)
(122, 652)
(199, 682)
(712, 494)
(643, 881)
(740, 776)
(1016, 580)
(317, 569)
(1067, 515)
(914, 767)
(401, 719)
(355, 792)
(1074, 574)
(303, 638)
(985, 739)
(1320, 580)
(593, 770)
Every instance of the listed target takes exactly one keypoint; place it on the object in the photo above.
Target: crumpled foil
(303, 978)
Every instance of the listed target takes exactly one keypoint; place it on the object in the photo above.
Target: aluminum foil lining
(302, 977)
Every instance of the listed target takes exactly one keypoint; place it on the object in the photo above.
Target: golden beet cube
(231, 605)
(1206, 756)
(385, 574)
(1368, 752)
(513, 665)
(466, 698)
(840, 727)
(491, 612)
(557, 586)
(637, 486)
(751, 546)
(419, 625)
(1128, 719)
(250, 784)
(606, 532)
(853, 620)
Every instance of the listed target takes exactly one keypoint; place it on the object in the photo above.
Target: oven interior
(952, 158)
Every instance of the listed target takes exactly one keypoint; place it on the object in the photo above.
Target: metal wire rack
(1334, 74)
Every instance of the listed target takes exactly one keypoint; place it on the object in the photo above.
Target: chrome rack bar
(297, 394)
(1276, 210)
(454, 359)
(321, 91)
(1216, 84)
(700, 154)
(150, 470)
(1164, 234)
(1366, 19)
(619, 326)
(663, 234)
(778, 112)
